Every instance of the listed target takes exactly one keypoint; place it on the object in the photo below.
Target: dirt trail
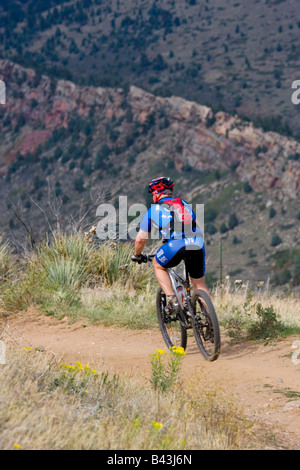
(262, 379)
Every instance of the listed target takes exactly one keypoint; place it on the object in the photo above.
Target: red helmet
(161, 184)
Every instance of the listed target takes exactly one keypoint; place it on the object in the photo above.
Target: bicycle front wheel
(205, 326)
(171, 327)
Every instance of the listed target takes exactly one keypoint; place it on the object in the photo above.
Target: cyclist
(183, 238)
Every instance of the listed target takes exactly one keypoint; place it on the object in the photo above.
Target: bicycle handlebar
(142, 258)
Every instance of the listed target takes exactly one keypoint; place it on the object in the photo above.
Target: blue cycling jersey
(168, 222)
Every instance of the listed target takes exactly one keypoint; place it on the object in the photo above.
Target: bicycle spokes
(204, 323)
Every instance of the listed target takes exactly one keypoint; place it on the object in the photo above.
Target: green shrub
(254, 322)
(210, 228)
(223, 228)
(63, 266)
(276, 240)
(5, 259)
(210, 214)
(235, 240)
(247, 187)
(114, 264)
(64, 274)
(281, 277)
(18, 281)
(233, 221)
(267, 326)
(296, 273)
(79, 184)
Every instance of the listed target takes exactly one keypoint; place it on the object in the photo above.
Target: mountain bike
(196, 312)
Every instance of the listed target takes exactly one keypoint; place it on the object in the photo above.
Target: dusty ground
(263, 379)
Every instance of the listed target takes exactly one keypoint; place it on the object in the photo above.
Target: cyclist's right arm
(143, 235)
(140, 242)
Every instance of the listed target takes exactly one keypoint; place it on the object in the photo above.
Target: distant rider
(183, 238)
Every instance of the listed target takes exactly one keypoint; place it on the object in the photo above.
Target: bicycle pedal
(167, 311)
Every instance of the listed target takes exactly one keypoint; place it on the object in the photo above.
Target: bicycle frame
(174, 276)
(175, 279)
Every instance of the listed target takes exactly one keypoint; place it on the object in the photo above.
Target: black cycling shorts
(174, 251)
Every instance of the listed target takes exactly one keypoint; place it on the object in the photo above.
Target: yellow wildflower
(160, 351)
(156, 425)
(78, 367)
(17, 446)
(158, 354)
(178, 350)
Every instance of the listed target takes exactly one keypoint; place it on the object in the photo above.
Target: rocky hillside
(231, 56)
(64, 145)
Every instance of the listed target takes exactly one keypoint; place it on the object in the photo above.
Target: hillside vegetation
(234, 57)
(71, 276)
(112, 94)
(66, 149)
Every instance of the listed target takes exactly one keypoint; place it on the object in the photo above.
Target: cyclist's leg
(195, 262)
(168, 255)
(199, 284)
(163, 278)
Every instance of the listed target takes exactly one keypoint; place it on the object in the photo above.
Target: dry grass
(288, 307)
(44, 406)
(239, 310)
(120, 306)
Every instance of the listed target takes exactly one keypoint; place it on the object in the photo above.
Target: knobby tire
(205, 326)
(173, 332)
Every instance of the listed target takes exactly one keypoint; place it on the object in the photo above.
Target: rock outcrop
(195, 137)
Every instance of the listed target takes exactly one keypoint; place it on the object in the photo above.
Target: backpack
(181, 214)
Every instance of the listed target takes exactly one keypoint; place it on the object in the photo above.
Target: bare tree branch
(28, 228)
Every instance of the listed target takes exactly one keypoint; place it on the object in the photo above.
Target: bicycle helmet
(161, 184)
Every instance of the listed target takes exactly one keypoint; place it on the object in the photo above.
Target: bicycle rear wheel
(205, 326)
(173, 332)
